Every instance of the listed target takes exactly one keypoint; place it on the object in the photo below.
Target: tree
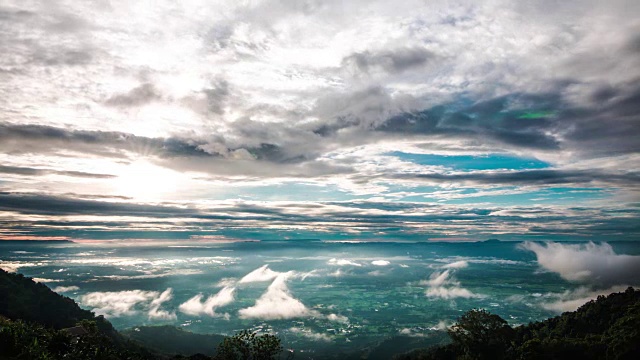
(478, 334)
(247, 345)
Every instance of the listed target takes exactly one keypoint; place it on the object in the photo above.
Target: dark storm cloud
(48, 139)
(492, 120)
(28, 203)
(180, 154)
(25, 171)
(137, 96)
(608, 125)
(224, 167)
(58, 205)
(395, 61)
(274, 153)
(21, 170)
(362, 109)
(162, 215)
(280, 143)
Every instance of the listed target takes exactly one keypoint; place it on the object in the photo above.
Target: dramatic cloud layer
(589, 263)
(308, 119)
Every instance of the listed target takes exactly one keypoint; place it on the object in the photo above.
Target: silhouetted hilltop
(24, 299)
(606, 328)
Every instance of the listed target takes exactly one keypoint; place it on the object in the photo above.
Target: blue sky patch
(470, 162)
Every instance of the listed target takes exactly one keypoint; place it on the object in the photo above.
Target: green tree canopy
(247, 345)
(481, 335)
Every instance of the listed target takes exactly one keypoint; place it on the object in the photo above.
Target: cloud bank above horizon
(587, 263)
(457, 119)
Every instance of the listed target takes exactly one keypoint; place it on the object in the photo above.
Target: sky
(360, 120)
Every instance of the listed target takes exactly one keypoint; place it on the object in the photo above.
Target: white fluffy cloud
(450, 292)
(45, 280)
(277, 303)
(120, 303)
(13, 266)
(456, 265)
(380, 262)
(443, 285)
(154, 307)
(260, 274)
(418, 332)
(310, 334)
(441, 325)
(61, 289)
(337, 318)
(342, 262)
(437, 279)
(590, 263)
(195, 306)
(571, 300)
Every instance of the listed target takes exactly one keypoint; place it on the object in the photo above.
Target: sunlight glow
(145, 181)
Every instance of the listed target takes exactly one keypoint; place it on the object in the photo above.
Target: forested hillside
(27, 300)
(606, 328)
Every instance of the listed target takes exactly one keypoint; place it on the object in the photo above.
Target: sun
(142, 180)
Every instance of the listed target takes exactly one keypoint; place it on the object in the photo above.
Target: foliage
(607, 328)
(247, 345)
(22, 298)
(480, 334)
(22, 340)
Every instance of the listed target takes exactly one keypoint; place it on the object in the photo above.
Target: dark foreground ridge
(37, 323)
(606, 328)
